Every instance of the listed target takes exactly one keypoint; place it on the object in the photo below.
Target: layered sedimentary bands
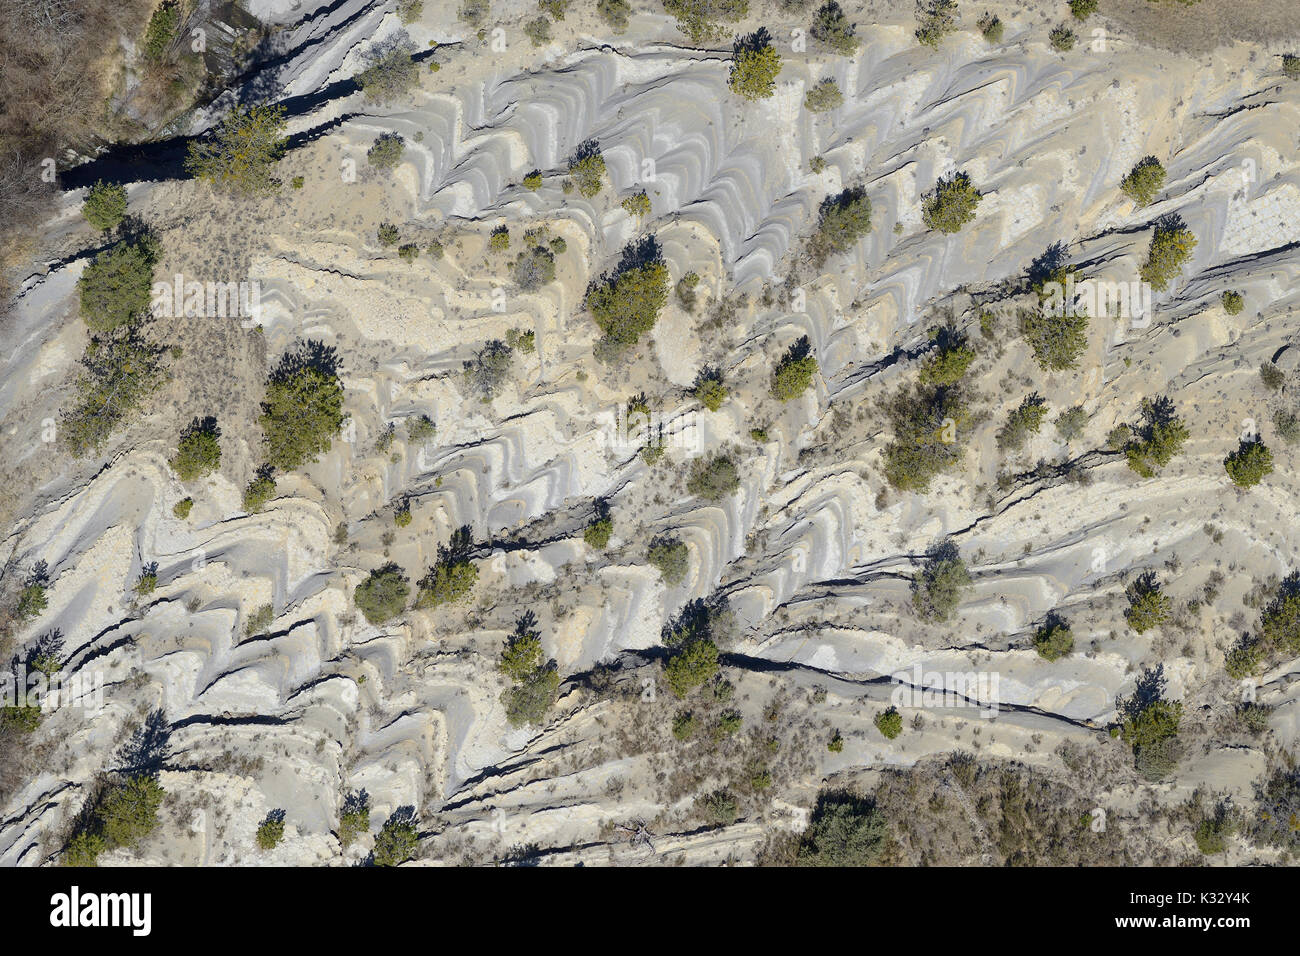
(814, 554)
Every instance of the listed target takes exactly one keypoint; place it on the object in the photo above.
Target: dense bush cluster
(754, 66)
(1149, 724)
(626, 302)
(241, 153)
(1144, 181)
(303, 407)
(843, 219)
(951, 205)
(199, 451)
(1171, 247)
(382, 595)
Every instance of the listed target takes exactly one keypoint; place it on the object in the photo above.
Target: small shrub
(523, 651)
(128, 812)
(598, 530)
(105, 205)
(538, 31)
(1233, 303)
(488, 371)
(259, 620)
(1063, 38)
(1287, 423)
(951, 205)
(474, 12)
(713, 478)
(182, 508)
(270, 831)
(499, 240)
(844, 830)
(410, 10)
(383, 594)
(523, 342)
(354, 817)
(587, 168)
(1149, 724)
(120, 369)
(991, 28)
(638, 204)
(615, 13)
(390, 72)
(1249, 464)
(1144, 181)
(1161, 436)
(387, 151)
(1272, 376)
(1083, 9)
(452, 576)
(164, 26)
(927, 423)
(258, 492)
(529, 701)
(1023, 422)
(889, 722)
(1054, 639)
(1071, 423)
(950, 360)
(710, 391)
(534, 268)
(935, 20)
(1148, 607)
(836, 743)
(1171, 247)
(685, 290)
(147, 583)
(701, 20)
(199, 450)
(533, 181)
(823, 96)
(937, 588)
(1212, 832)
(398, 838)
(1291, 66)
(843, 219)
(719, 808)
(671, 558)
(755, 64)
(691, 665)
(387, 234)
(832, 29)
(793, 375)
(626, 303)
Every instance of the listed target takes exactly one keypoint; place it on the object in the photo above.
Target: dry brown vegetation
(57, 59)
